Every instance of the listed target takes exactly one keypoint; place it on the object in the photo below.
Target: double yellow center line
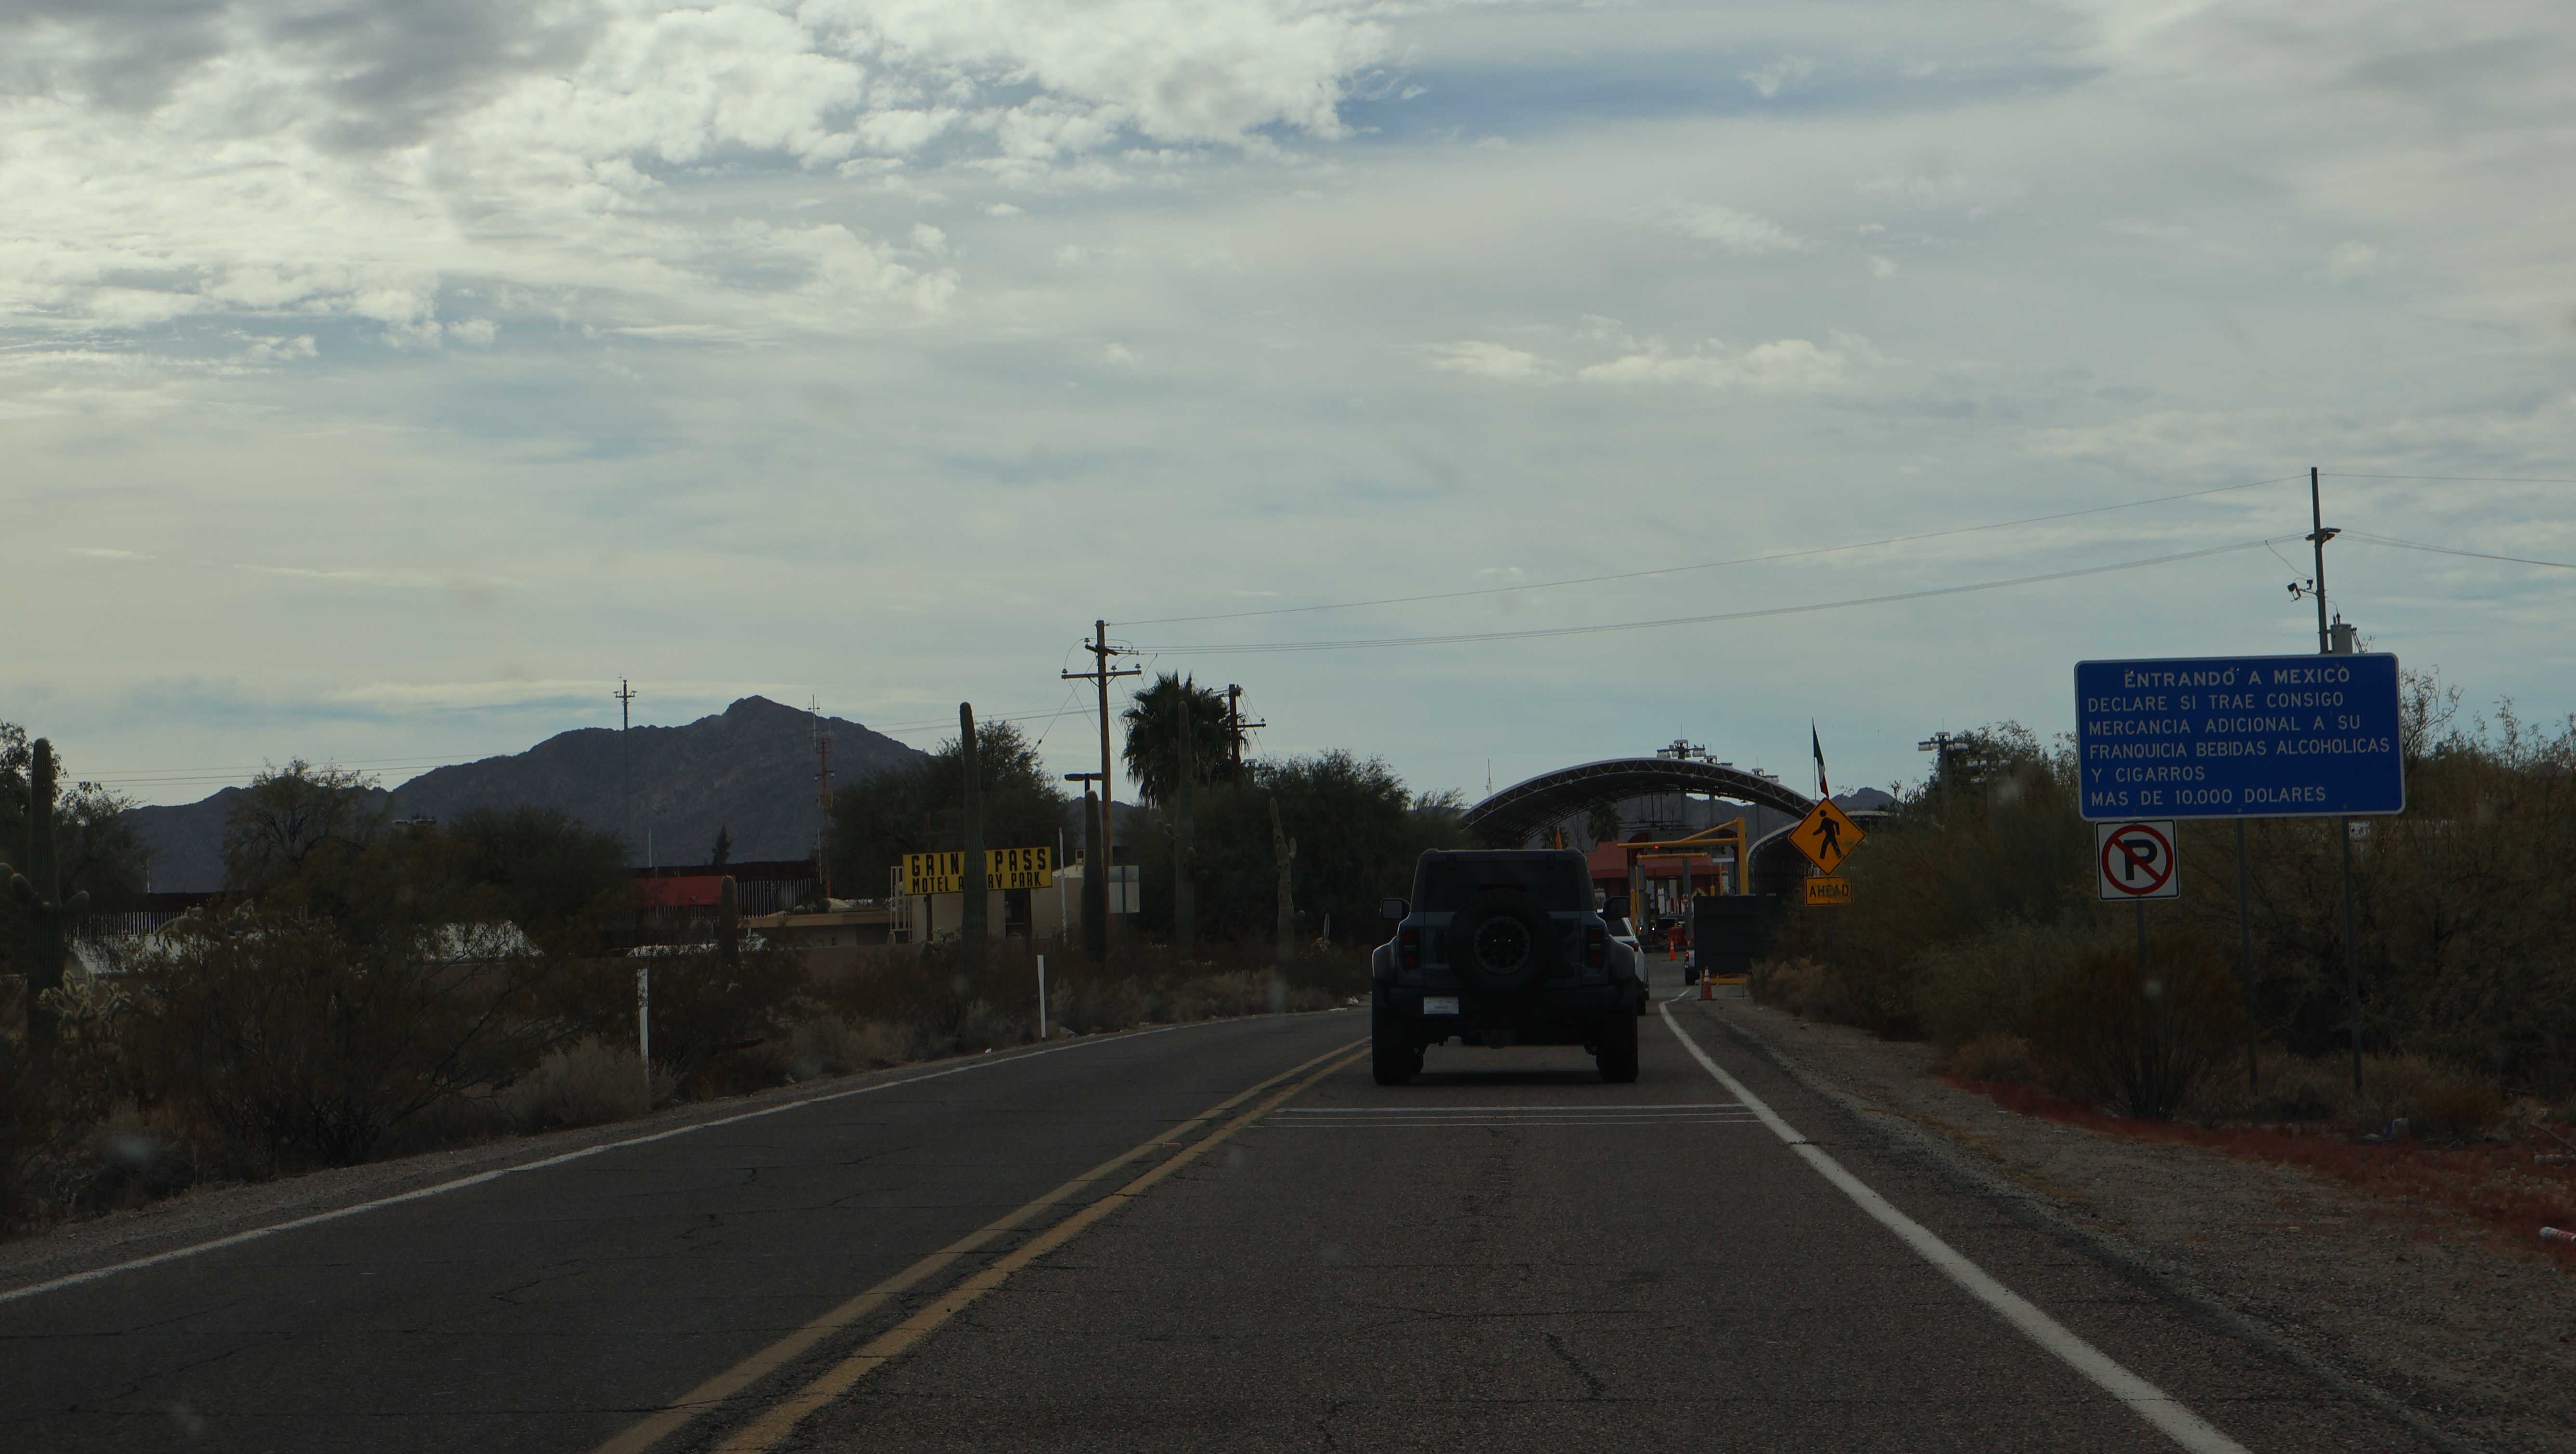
(774, 1424)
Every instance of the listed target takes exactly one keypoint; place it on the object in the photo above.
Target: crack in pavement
(1591, 1381)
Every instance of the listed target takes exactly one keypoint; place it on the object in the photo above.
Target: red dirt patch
(2496, 1184)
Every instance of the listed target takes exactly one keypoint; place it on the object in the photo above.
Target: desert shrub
(2294, 1088)
(293, 1040)
(581, 1084)
(825, 1044)
(1800, 986)
(1996, 1057)
(1993, 982)
(2137, 1035)
(2458, 1105)
(2436, 1100)
(714, 1014)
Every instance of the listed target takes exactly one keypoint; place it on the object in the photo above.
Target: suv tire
(1502, 943)
(1393, 1057)
(1617, 1052)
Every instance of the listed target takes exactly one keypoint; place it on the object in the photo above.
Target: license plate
(1439, 1004)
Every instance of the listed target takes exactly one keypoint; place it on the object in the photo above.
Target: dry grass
(2436, 1101)
(829, 1045)
(583, 1084)
(2500, 1184)
(1801, 986)
(2002, 1059)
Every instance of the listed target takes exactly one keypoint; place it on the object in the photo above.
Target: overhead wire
(1535, 633)
(2452, 479)
(1712, 564)
(2451, 550)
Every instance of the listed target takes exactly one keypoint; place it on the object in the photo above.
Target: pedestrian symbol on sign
(1827, 836)
(2135, 861)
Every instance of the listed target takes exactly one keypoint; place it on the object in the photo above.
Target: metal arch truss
(1508, 818)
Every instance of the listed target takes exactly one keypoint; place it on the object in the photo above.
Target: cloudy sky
(381, 380)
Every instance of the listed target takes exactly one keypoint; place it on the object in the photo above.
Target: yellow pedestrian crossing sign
(1827, 836)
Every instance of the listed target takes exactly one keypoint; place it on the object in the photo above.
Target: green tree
(75, 856)
(721, 852)
(1153, 723)
(96, 850)
(555, 877)
(1358, 830)
(879, 819)
(1601, 820)
(288, 817)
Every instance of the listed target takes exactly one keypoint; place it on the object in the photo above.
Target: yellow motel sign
(1828, 890)
(1004, 868)
(1827, 836)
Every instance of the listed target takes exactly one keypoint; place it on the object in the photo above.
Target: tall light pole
(625, 768)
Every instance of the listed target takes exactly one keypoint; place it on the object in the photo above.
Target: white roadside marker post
(644, 1026)
(1042, 1033)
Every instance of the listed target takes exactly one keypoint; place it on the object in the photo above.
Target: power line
(1712, 564)
(2447, 550)
(2454, 479)
(1360, 643)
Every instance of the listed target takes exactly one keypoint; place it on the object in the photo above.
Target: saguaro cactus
(39, 892)
(728, 923)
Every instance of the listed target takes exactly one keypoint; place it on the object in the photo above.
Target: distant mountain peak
(748, 769)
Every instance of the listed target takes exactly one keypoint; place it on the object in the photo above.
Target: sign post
(2244, 737)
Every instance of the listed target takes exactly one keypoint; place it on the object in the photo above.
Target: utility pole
(2318, 535)
(1235, 727)
(625, 765)
(823, 804)
(1104, 841)
(1939, 744)
(1284, 850)
(971, 924)
(2325, 647)
(1095, 889)
(1184, 901)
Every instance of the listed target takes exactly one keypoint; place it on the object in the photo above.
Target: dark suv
(1502, 948)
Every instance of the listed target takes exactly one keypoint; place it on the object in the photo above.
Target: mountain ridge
(748, 770)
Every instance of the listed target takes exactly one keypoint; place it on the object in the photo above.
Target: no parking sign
(2134, 861)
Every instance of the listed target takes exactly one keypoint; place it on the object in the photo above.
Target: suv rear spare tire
(1502, 942)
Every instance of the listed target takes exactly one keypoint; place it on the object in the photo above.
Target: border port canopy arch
(1508, 818)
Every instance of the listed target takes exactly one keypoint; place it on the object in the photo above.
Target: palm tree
(1154, 734)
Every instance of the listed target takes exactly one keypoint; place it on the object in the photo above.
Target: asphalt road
(1506, 1255)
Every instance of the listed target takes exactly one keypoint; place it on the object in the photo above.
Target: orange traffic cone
(1703, 986)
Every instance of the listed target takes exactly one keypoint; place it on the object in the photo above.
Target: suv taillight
(1408, 948)
(1596, 945)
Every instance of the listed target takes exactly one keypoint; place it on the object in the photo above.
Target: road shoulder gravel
(2410, 1308)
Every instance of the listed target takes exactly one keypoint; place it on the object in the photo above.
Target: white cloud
(277, 166)
(2348, 262)
(1881, 268)
(1778, 75)
(1788, 365)
(1489, 360)
(1742, 233)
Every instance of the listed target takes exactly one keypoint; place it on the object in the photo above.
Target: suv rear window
(1558, 884)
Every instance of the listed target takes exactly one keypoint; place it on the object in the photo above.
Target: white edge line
(2149, 1402)
(253, 1234)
